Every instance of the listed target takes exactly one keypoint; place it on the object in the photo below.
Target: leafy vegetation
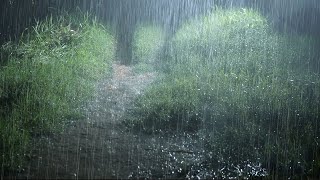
(148, 41)
(47, 76)
(254, 93)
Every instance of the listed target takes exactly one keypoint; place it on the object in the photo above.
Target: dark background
(293, 16)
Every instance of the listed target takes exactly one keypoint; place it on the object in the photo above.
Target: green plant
(253, 89)
(170, 105)
(148, 40)
(49, 73)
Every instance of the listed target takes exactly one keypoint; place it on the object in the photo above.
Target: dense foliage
(46, 78)
(254, 94)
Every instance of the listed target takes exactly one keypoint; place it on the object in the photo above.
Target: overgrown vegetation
(253, 93)
(47, 76)
(148, 41)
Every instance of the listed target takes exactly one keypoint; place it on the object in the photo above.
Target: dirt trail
(97, 147)
(100, 147)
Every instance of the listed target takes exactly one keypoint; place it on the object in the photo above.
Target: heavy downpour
(160, 89)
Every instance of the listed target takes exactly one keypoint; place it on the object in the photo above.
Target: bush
(253, 89)
(47, 77)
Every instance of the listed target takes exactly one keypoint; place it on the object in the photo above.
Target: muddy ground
(100, 146)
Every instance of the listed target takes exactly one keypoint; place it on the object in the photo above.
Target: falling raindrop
(197, 89)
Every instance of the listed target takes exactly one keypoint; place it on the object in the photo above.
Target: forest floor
(100, 146)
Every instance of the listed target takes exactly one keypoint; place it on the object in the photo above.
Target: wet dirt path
(96, 147)
(101, 147)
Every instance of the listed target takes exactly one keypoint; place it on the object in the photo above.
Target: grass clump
(170, 105)
(48, 75)
(255, 91)
(148, 40)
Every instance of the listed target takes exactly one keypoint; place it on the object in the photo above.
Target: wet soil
(101, 147)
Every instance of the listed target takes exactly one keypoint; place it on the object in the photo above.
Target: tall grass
(254, 92)
(148, 41)
(47, 76)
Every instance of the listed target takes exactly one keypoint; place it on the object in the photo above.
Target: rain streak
(160, 89)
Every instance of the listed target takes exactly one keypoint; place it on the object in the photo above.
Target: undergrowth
(255, 93)
(148, 41)
(46, 78)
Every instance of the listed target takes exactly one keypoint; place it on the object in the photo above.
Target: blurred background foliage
(294, 16)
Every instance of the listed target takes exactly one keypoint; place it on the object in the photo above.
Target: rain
(160, 89)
